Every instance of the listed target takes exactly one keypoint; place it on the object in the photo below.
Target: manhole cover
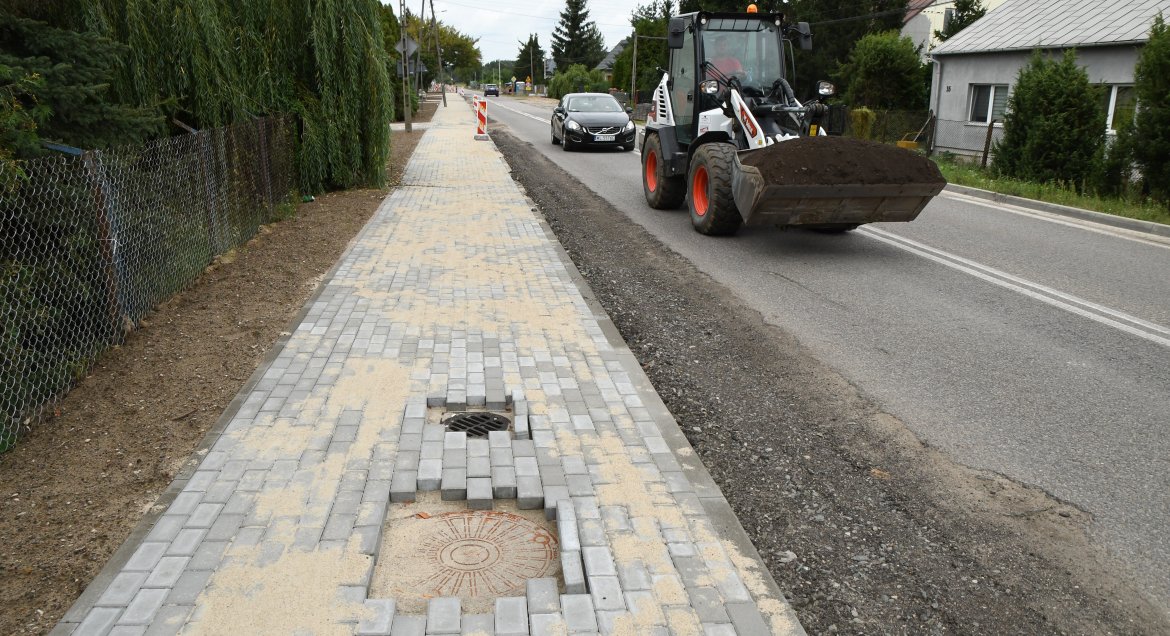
(476, 423)
(473, 554)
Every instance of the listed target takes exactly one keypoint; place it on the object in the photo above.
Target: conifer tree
(1150, 140)
(529, 61)
(576, 39)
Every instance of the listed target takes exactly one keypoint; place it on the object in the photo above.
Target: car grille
(606, 130)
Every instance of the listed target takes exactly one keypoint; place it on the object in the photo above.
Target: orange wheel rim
(652, 171)
(699, 191)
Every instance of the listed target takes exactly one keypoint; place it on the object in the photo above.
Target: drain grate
(476, 424)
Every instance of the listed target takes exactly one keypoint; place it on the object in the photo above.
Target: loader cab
(749, 45)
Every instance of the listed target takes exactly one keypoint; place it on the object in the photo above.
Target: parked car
(491, 89)
(592, 119)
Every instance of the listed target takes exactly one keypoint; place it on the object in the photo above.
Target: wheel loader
(727, 135)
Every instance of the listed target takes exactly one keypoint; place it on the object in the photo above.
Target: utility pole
(634, 73)
(422, 14)
(439, 55)
(405, 64)
(531, 68)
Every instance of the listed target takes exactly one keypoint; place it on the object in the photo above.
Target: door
(684, 87)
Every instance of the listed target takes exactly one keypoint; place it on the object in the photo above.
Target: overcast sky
(501, 25)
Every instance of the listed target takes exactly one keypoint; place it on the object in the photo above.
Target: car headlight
(572, 125)
(629, 125)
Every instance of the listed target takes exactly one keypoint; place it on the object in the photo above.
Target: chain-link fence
(974, 140)
(91, 242)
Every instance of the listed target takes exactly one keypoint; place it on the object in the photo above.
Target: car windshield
(594, 104)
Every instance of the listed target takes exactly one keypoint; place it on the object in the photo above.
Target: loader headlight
(826, 89)
(572, 125)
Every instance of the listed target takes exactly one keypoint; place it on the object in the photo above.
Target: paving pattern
(453, 297)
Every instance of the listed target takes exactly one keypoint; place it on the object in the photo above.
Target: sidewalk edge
(1126, 223)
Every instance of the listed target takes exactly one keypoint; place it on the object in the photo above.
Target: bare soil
(77, 484)
(840, 161)
(866, 529)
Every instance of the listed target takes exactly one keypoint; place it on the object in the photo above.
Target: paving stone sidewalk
(333, 485)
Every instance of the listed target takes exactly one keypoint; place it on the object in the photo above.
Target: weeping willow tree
(214, 62)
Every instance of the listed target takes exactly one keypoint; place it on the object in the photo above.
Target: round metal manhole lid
(476, 554)
(476, 423)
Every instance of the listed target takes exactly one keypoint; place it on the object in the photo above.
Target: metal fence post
(105, 243)
(987, 143)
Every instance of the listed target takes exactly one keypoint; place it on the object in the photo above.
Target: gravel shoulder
(867, 530)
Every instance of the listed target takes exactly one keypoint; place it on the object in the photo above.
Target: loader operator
(723, 59)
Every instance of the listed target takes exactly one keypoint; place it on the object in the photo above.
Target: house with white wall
(974, 71)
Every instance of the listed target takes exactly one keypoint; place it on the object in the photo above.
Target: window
(988, 101)
(1119, 103)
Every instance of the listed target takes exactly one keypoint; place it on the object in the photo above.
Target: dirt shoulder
(77, 484)
(865, 529)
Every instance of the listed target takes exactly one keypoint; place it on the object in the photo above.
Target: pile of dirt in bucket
(840, 161)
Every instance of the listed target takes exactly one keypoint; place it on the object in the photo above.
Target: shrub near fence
(90, 243)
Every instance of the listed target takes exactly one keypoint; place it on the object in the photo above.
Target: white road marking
(1118, 320)
(1083, 224)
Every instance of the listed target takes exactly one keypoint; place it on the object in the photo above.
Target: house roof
(607, 63)
(1056, 24)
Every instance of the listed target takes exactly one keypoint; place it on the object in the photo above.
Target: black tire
(834, 228)
(566, 143)
(628, 147)
(556, 142)
(709, 197)
(662, 192)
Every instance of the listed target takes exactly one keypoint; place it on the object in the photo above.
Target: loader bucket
(832, 181)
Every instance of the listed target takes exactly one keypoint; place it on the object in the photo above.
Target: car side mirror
(676, 32)
(629, 110)
(558, 110)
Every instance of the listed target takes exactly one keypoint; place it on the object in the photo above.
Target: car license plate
(603, 138)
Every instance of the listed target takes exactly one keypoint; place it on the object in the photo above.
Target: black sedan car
(491, 89)
(592, 119)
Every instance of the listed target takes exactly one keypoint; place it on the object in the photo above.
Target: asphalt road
(1028, 344)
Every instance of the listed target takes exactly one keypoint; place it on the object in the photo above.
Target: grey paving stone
(692, 570)
(338, 527)
(479, 467)
(606, 592)
(579, 485)
(455, 458)
(404, 486)
(547, 625)
(634, 576)
(527, 467)
(499, 439)
(708, 605)
(188, 587)
(578, 612)
(478, 447)
(567, 534)
(616, 518)
(543, 596)
(529, 494)
(598, 561)
(167, 572)
(479, 625)
(609, 620)
(503, 482)
(141, 610)
(454, 486)
(122, 589)
(553, 495)
(719, 629)
(523, 448)
(430, 474)
(479, 493)
(443, 614)
(552, 474)
(98, 621)
(455, 440)
(591, 532)
(145, 557)
(407, 460)
(166, 528)
(747, 619)
(511, 616)
(501, 456)
(208, 556)
(405, 625)
(128, 630)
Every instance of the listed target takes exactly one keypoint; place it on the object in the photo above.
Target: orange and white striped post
(481, 119)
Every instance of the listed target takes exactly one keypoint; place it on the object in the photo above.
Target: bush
(577, 79)
(1151, 138)
(1053, 129)
(884, 71)
(862, 120)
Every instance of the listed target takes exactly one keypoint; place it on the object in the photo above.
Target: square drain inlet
(432, 548)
